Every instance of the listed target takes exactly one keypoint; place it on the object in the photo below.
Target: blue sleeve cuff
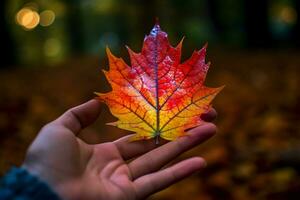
(19, 184)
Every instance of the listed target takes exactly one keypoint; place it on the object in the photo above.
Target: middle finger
(157, 158)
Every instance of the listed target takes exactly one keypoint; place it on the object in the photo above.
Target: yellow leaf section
(187, 115)
(126, 102)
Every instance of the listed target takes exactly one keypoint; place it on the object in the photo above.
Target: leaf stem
(157, 140)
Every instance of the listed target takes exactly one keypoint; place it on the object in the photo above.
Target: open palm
(114, 170)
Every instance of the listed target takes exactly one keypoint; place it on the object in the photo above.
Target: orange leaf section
(157, 96)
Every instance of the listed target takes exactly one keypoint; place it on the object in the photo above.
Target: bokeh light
(47, 17)
(288, 15)
(27, 18)
(52, 47)
(283, 19)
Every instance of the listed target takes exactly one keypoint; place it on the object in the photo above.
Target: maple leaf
(157, 96)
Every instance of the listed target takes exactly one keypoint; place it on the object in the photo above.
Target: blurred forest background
(53, 50)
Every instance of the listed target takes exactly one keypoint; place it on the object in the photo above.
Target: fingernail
(203, 115)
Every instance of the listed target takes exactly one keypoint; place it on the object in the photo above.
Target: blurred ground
(255, 155)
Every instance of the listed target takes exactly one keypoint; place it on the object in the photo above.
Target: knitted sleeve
(19, 184)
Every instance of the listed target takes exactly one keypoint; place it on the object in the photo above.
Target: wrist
(65, 188)
(18, 183)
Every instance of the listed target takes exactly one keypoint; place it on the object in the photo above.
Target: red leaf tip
(156, 28)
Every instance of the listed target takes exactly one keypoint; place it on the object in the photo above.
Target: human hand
(77, 170)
